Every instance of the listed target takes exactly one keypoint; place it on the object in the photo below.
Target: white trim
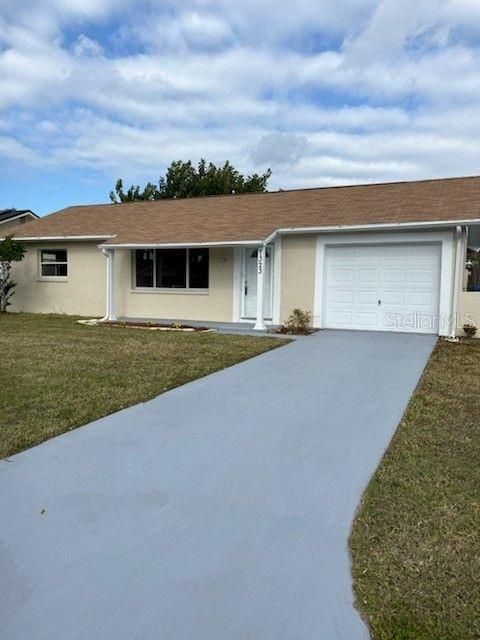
(317, 320)
(20, 215)
(372, 227)
(237, 284)
(276, 289)
(110, 286)
(261, 258)
(243, 270)
(56, 238)
(41, 277)
(181, 245)
(178, 291)
(445, 239)
(457, 278)
(154, 289)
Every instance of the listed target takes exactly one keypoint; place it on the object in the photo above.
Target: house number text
(260, 261)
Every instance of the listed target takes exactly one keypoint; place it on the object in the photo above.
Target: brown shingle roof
(256, 216)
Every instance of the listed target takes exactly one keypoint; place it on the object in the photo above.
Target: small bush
(470, 330)
(298, 321)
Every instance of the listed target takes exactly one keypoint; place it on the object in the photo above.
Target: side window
(144, 267)
(53, 263)
(198, 265)
(171, 268)
(186, 269)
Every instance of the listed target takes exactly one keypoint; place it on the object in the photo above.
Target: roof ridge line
(270, 193)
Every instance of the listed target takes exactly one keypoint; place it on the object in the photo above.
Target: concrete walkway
(218, 511)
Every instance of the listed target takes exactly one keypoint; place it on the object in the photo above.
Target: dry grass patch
(416, 539)
(56, 374)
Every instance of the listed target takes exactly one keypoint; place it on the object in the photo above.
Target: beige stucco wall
(468, 310)
(81, 293)
(298, 274)
(214, 305)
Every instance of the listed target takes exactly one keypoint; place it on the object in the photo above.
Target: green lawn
(416, 539)
(56, 374)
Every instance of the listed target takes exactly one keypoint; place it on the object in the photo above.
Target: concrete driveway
(218, 511)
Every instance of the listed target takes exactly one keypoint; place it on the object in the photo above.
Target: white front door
(250, 283)
(383, 287)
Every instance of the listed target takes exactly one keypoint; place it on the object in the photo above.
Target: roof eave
(61, 238)
(109, 243)
(20, 215)
(373, 227)
(179, 245)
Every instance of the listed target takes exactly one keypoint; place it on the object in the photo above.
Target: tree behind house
(183, 180)
(10, 251)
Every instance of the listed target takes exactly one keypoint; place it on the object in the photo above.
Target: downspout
(108, 254)
(457, 272)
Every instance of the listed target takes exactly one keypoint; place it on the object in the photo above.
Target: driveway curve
(217, 511)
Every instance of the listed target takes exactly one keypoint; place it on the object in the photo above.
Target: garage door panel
(393, 298)
(365, 319)
(367, 276)
(410, 322)
(367, 255)
(394, 276)
(420, 299)
(384, 287)
(342, 318)
(422, 251)
(343, 255)
(393, 253)
(342, 296)
(421, 276)
(366, 297)
(341, 276)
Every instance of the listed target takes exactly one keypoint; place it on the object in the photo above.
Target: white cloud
(357, 91)
(87, 46)
(188, 30)
(277, 149)
(392, 25)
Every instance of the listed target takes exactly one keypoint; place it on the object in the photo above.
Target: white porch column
(110, 285)
(458, 273)
(260, 323)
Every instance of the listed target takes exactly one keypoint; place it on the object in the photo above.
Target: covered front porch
(232, 287)
(234, 328)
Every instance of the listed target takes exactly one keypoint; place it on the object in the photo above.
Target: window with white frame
(53, 263)
(171, 268)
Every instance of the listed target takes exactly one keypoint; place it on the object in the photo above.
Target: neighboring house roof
(253, 217)
(9, 214)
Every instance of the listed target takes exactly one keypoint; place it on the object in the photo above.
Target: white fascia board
(180, 245)
(372, 227)
(20, 215)
(59, 238)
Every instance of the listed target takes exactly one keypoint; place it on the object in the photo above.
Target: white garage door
(383, 287)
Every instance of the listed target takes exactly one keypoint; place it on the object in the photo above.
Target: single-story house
(12, 218)
(386, 257)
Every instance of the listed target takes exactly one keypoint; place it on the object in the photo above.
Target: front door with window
(250, 283)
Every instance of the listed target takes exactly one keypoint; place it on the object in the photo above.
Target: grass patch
(416, 539)
(56, 374)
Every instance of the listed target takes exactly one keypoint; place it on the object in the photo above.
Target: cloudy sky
(322, 91)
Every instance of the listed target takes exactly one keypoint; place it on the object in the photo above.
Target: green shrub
(298, 321)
